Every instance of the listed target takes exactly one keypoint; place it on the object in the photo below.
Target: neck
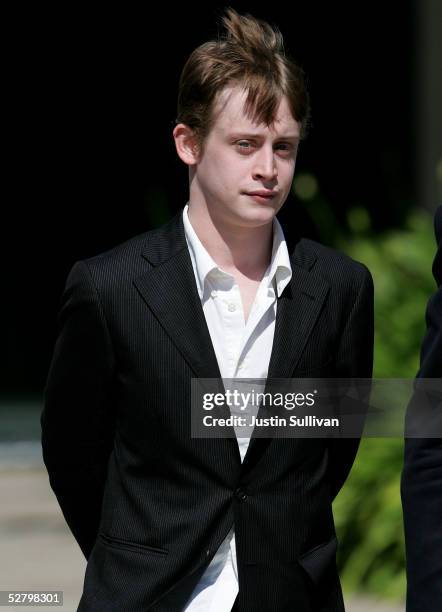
(246, 250)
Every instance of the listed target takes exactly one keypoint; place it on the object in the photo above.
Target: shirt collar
(202, 262)
(278, 272)
(280, 267)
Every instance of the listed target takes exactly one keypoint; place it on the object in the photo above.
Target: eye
(244, 146)
(285, 146)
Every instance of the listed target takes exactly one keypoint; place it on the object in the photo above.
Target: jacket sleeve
(421, 488)
(354, 359)
(78, 423)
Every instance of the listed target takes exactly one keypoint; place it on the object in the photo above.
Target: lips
(262, 194)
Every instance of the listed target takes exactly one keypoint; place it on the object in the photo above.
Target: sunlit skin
(239, 157)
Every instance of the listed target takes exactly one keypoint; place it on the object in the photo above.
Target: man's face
(241, 158)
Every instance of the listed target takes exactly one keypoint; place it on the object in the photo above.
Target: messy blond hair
(249, 53)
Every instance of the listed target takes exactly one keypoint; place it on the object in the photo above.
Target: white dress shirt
(242, 349)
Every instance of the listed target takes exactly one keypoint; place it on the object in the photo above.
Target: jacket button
(240, 494)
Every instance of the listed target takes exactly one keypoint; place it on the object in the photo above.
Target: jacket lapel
(169, 289)
(297, 311)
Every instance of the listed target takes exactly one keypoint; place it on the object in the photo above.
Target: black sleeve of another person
(421, 485)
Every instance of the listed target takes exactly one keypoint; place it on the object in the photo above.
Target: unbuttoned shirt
(242, 349)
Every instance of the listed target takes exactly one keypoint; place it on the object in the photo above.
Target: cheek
(227, 174)
(217, 179)
(286, 172)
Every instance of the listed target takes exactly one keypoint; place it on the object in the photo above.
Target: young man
(169, 522)
(422, 474)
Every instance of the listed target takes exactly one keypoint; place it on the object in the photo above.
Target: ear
(186, 144)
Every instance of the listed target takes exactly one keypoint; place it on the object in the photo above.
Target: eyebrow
(294, 137)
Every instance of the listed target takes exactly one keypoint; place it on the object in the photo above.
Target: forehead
(229, 116)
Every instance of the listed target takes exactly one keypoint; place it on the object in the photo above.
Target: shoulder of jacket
(333, 259)
(120, 264)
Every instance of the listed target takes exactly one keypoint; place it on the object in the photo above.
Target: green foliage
(369, 521)
(368, 510)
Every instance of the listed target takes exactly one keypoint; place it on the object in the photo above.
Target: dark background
(95, 99)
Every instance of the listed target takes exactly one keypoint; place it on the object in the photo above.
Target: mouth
(261, 196)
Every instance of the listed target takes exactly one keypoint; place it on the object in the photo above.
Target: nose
(265, 166)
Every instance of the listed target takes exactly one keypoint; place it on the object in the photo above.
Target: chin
(255, 218)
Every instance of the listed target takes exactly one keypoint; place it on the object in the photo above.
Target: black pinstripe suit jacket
(148, 504)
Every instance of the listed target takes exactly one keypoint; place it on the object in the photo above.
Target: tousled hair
(249, 53)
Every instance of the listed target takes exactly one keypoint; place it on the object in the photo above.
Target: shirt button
(240, 494)
(213, 293)
(231, 307)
